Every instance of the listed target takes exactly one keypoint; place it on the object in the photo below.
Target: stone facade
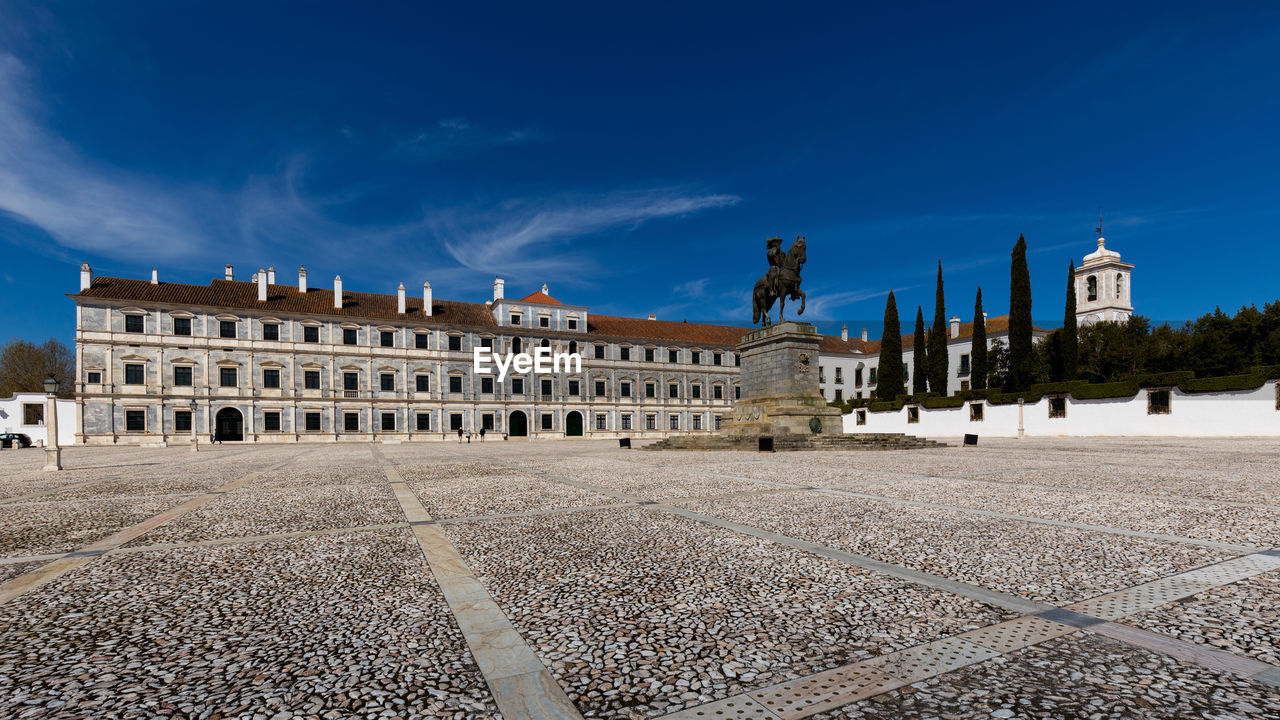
(780, 384)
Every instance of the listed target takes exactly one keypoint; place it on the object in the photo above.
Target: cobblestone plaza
(1017, 579)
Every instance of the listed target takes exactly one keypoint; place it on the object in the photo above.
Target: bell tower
(1104, 285)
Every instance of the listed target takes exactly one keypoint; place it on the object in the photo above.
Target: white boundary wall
(1225, 414)
(11, 418)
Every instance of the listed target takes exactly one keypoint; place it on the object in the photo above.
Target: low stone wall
(1218, 414)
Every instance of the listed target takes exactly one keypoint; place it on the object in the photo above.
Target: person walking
(459, 436)
(482, 434)
(468, 437)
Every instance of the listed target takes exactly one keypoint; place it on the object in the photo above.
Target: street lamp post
(195, 439)
(52, 451)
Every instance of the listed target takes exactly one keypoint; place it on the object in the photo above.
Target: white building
(1103, 287)
(24, 413)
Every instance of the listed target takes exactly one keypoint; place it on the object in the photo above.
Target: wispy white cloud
(457, 134)
(820, 307)
(531, 237)
(692, 289)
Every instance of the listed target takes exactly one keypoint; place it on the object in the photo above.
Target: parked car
(9, 440)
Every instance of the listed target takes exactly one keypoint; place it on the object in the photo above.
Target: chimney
(844, 332)
(262, 285)
(545, 291)
(86, 277)
(426, 298)
(302, 278)
(230, 275)
(271, 276)
(653, 316)
(984, 318)
(400, 299)
(155, 276)
(337, 292)
(498, 286)
(864, 334)
(955, 327)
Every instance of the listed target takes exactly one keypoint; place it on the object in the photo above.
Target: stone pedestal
(779, 379)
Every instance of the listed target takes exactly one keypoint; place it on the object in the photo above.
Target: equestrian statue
(782, 281)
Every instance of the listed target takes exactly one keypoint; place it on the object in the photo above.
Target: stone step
(860, 441)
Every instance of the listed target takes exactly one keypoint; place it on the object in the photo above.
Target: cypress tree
(938, 360)
(889, 374)
(1070, 334)
(920, 356)
(978, 351)
(1020, 350)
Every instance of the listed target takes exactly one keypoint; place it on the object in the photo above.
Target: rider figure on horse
(776, 256)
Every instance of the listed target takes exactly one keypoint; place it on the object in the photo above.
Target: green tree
(978, 350)
(24, 366)
(998, 368)
(938, 360)
(921, 355)
(889, 379)
(1020, 346)
(1070, 341)
(1111, 351)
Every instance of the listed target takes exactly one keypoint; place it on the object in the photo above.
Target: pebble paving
(632, 610)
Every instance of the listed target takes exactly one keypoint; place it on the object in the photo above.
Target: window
(573, 387)
(311, 334)
(271, 421)
(673, 391)
(227, 328)
(599, 352)
(311, 379)
(270, 378)
(717, 392)
(696, 357)
(350, 381)
(182, 376)
(675, 422)
(388, 381)
(182, 326)
(486, 421)
(420, 340)
(270, 331)
(626, 421)
(546, 387)
(388, 338)
(388, 422)
(624, 353)
(716, 358)
(422, 383)
(695, 391)
(600, 389)
(602, 421)
(545, 344)
(1091, 286)
(625, 389)
(227, 377)
(719, 421)
(1119, 285)
(134, 323)
(32, 414)
(486, 385)
(913, 414)
(423, 422)
(697, 422)
(839, 376)
(964, 363)
(573, 323)
(93, 378)
(650, 390)
(857, 377)
(547, 421)
(312, 421)
(515, 318)
(975, 412)
(964, 385)
(1057, 407)
(349, 336)
(133, 374)
(650, 422)
(351, 422)
(839, 395)
(673, 356)
(573, 347)
(648, 354)
(517, 386)
(544, 321)
(455, 421)
(135, 421)
(861, 417)
(486, 343)
(455, 383)
(873, 376)
(455, 343)
(1158, 402)
(737, 392)
(737, 361)
(822, 374)
(182, 421)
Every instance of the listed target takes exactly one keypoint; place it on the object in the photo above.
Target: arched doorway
(229, 424)
(518, 425)
(573, 424)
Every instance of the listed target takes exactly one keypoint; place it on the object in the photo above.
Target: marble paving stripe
(1229, 547)
(527, 513)
(39, 577)
(17, 559)
(1206, 657)
(738, 707)
(156, 547)
(1148, 596)
(522, 687)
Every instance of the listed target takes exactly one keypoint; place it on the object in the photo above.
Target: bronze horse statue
(782, 281)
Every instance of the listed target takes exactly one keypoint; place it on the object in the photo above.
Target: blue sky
(636, 157)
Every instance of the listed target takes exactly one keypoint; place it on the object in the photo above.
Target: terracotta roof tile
(541, 298)
(995, 325)
(637, 328)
